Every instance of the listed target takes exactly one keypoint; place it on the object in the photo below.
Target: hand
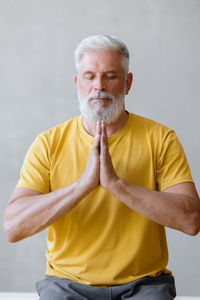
(90, 178)
(108, 176)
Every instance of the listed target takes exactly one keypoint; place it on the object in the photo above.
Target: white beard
(109, 114)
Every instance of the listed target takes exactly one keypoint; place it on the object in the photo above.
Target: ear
(129, 81)
(76, 79)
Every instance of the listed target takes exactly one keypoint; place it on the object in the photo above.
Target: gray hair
(102, 42)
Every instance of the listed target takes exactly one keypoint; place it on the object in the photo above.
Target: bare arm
(28, 211)
(177, 207)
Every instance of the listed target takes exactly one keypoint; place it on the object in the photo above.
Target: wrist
(112, 185)
(84, 186)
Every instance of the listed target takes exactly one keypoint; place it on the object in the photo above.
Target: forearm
(29, 212)
(173, 210)
(29, 215)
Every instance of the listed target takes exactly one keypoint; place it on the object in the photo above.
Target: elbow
(10, 233)
(193, 227)
(12, 228)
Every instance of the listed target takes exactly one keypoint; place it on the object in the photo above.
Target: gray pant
(148, 288)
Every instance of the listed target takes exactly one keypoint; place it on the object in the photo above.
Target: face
(101, 80)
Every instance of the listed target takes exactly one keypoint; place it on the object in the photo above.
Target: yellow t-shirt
(101, 241)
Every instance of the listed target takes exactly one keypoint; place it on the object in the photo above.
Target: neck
(111, 129)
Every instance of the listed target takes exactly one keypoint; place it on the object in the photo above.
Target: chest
(133, 159)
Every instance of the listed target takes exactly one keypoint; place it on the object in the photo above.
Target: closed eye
(88, 77)
(111, 76)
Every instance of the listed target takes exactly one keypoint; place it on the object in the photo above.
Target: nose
(99, 84)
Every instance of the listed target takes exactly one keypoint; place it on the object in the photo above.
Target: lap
(52, 288)
(148, 288)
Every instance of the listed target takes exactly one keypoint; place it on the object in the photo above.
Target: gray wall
(37, 40)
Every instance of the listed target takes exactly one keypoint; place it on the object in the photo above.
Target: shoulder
(151, 132)
(149, 126)
(49, 140)
(60, 130)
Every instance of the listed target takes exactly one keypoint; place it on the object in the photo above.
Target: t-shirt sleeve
(35, 172)
(172, 166)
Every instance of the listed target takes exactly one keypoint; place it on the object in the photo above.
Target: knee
(51, 292)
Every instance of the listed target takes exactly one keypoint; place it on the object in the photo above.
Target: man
(104, 184)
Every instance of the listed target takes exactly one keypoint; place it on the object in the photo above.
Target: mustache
(101, 95)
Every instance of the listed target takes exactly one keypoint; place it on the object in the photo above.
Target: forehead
(101, 61)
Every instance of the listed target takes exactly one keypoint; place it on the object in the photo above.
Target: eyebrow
(109, 71)
(87, 72)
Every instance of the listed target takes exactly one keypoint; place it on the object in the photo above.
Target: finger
(96, 142)
(98, 128)
(103, 128)
(104, 138)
